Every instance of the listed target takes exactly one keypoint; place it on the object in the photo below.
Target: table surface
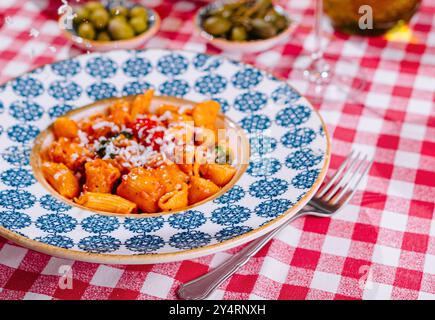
(381, 246)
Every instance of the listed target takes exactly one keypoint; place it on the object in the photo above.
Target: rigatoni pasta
(137, 159)
(106, 202)
(61, 179)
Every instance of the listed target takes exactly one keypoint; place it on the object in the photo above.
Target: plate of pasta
(150, 156)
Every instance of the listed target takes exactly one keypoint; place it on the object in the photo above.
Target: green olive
(239, 34)
(81, 14)
(120, 30)
(262, 29)
(139, 11)
(139, 24)
(93, 5)
(86, 30)
(121, 18)
(216, 25)
(99, 18)
(119, 11)
(103, 36)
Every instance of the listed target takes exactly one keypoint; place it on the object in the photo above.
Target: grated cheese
(83, 138)
(184, 108)
(106, 124)
(58, 174)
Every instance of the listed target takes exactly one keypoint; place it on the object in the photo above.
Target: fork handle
(203, 286)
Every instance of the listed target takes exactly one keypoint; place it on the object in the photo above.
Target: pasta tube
(69, 153)
(205, 113)
(173, 200)
(61, 179)
(120, 112)
(106, 202)
(141, 187)
(100, 176)
(65, 127)
(201, 189)
(141, 104)
(220, 174)
(170, 176)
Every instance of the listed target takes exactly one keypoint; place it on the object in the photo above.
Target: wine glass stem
(318, 70)
(318, 31)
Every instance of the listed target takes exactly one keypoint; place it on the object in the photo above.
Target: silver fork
(329, 199)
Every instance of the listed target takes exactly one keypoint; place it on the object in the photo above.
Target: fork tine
(346, 184)
(343, 179)
(324, 189)
(355, 186)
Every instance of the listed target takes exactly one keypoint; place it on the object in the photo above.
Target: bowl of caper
(99, 27)
(243, 25)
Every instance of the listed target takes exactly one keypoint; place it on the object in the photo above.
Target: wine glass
(320, 73)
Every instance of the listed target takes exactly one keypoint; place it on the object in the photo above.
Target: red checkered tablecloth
(381, 246)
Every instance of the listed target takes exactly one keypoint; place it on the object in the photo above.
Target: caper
(271, 16)
(227, 13)
(119, 11)
(262, 29)
(86, 30)
(223, 12)
(241, 11)
(99, 18)
(139, 24)
(258, 9)
(120, 30)
(103, 36)
(233, 6)
(93, 5)
(244, 20)
(139, 11)
(239, 34)
(281, 22)
(217, 25)
(81, 14)
(263, 7)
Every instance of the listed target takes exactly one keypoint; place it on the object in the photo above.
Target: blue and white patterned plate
(286, 166)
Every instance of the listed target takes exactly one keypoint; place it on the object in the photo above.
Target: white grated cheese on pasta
(103, 124)
(167, 115)
(83, 138)
(57, 175)
(184, 108)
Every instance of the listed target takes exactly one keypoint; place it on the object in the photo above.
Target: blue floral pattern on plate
(288, 151)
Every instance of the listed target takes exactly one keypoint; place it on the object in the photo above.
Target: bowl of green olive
(99, 27)
(243, 25)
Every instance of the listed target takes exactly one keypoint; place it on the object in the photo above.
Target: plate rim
(152, 258)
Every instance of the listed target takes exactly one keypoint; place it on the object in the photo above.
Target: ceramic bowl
(250, 46)
(104, 46)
